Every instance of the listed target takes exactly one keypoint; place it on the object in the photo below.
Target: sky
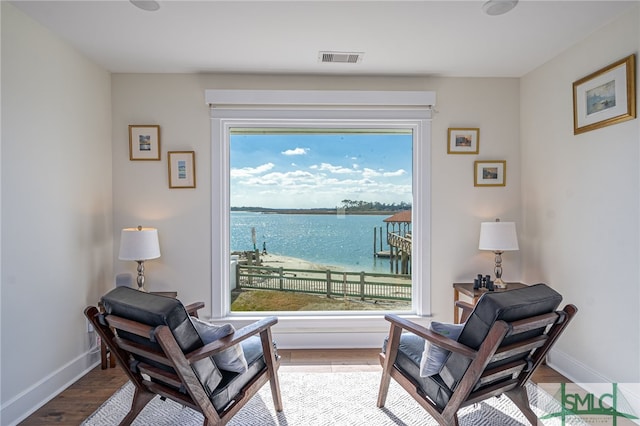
(319, 170)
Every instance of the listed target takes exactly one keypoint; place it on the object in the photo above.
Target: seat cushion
(232, 383)
(156, 310)
(408, 362)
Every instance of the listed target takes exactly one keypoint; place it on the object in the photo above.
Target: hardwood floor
(82, 398)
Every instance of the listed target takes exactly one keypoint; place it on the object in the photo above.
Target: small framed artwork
(464, 141)
(490, 173)
(182, 169)
(144, 142)
(606, 97)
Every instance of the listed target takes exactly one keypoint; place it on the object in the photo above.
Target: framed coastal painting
(463, 141)
(182, 169)
(605, 97)
(490, 173)
(144, 142)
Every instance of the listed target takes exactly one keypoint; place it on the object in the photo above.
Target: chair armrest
(238, 336)
(192, 308)
(433, 337)
(466, 307)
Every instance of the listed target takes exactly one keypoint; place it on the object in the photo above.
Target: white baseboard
(573, 369)
(329, 340)
(27, 402)
(592, 381)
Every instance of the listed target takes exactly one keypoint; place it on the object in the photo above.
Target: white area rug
(318, 399)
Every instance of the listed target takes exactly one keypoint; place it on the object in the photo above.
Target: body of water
(345, 241)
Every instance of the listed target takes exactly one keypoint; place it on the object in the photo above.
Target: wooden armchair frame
(165, 383)
(478, 382)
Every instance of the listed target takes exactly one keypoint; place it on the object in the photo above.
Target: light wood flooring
(82, 398)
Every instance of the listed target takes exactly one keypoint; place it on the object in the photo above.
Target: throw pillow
(434, 357)
(231, 359)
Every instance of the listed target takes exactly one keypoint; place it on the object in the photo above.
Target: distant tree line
(359, 205)
(284, 211)
(349, 206)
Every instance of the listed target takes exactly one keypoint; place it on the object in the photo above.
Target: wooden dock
(384, 254)
(399, 242)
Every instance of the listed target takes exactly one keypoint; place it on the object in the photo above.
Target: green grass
(271, 300)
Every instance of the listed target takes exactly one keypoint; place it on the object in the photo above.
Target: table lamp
(139, 244)
(498, 237)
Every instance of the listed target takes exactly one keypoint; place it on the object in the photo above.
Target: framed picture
(463, 141)
(490, 173)
(144, 142)
(606, 97)
(182, 169)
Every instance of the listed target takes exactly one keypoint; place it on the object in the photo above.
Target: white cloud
(294, 178)
(369, 173)
(333, 169)
(399, 172)
(321, 185)
(251, 171)
(296, 151)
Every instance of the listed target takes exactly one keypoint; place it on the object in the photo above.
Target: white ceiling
(435, 38)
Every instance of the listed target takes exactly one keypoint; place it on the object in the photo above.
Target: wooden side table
(467, 290)
(106, 360)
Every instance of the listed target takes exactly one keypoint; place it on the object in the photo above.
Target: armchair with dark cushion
(504, 339)
(164, 351)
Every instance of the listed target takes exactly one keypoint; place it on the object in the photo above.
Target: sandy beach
(278, 261)
(288, 262)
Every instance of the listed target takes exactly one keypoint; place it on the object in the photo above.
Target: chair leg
(447, 421)
(521, 399)
(454, 421)
(385, 381)
(275, 392)
(266, 339)
(388, 360)
(141, 398)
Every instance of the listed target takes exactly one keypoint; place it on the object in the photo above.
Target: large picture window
(262, 143)
(320, 219)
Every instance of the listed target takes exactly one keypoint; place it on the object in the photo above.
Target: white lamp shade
(498, 236)
(139, 244)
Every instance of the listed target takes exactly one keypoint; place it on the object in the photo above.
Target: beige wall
(56, 210)
(176, 103)
(581, 212)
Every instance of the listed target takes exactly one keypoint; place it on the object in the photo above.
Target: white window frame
(320, 109)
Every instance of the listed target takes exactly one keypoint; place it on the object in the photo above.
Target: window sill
(326, 331)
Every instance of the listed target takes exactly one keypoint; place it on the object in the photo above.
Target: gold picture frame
(490, 173)
(144, 142)
(182, 169)
(605, 97)
(463, 140)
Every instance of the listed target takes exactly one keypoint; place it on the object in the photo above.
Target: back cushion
(508, 306)
(155, 310)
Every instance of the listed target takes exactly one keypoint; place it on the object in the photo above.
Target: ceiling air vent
(340, 57)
